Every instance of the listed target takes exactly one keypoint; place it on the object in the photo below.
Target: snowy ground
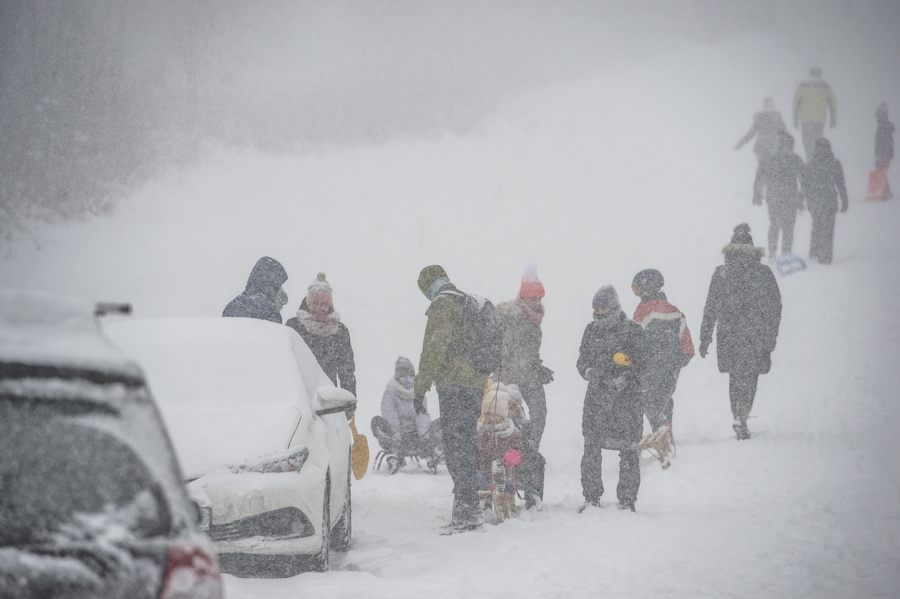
(595, 180)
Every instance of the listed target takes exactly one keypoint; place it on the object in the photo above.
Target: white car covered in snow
(261, 433)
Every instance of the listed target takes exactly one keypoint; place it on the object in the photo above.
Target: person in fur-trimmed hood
(744, 302)
(522, 364)
(327, 337)
(669, 345)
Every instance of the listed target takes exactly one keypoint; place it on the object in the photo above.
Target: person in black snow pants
(823, 182)
(745, 304)
(768, 126)
(460, 390)
(327, 337)
(611, 358)
(522, 364)
(669, 346)
(778, 179)
(884, 146)
(264, 297)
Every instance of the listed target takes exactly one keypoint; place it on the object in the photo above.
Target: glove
(419, 404)
(844, 208)
(757, 201)
(704, 347)
(545, 375)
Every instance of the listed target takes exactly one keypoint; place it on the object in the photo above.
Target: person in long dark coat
(611, 358)
(823, 182)
(264, 297)
(745, 304)
(778, 179)
(327, 337)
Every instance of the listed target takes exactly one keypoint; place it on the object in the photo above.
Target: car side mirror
(334, 399)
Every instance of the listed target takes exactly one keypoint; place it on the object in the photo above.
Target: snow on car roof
(45, 329)
(227, 387)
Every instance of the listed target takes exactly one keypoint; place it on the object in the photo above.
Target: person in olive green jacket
(813, 101)
(459, 387)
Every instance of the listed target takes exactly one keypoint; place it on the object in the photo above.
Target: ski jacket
(823, 182)
(778, 179)
(521, 361)
(812, 100)
(884, 143)
(258, 299)
(444, 330)
(398, 410)
(613, 397)
(492, 443)
(333, 352)
(745, 304)
(767, 127)
(667, 336)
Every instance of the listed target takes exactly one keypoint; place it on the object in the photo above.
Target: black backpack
(482, 333)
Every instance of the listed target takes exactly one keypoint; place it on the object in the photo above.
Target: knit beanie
(403, 367)
(531, 285)
(648, 280)
(320, 287)
(606, 297)
(496, 401)
(742, 235)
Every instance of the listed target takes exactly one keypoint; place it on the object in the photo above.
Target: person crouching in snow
(327, 337)
(496, 439)
(612, 359)
(400, 429)
(669, 346)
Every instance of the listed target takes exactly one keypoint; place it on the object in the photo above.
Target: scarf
(533, 316)
(607, 321)
(400, 391)
(323, 326)
(432, 291)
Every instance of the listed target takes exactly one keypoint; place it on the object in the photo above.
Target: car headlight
(289, 460)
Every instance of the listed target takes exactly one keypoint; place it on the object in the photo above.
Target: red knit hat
(531, 285)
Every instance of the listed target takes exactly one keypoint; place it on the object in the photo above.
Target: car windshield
(77, 458)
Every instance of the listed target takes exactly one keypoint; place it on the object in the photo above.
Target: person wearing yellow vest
(813, 101)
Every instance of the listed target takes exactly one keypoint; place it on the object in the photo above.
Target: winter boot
(465, 518)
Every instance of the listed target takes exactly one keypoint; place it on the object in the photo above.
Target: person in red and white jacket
(669, 346)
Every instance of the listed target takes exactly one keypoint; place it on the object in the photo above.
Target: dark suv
(92, 502)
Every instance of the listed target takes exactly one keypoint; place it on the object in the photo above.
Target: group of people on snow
(788, 184)
(631, 366)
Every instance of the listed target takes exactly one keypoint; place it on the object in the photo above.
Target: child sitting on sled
(498, 450)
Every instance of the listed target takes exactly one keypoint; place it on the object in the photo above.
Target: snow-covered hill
(630, 168)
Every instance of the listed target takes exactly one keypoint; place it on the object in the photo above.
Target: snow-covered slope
(631, 168)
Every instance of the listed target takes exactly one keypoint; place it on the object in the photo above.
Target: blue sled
(788, 263)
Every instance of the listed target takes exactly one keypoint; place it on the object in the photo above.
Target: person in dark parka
(768, 126)
(823, 182)
(745, 304)
(778, 179)
(327, 337)
(264, 297)
(611, 358)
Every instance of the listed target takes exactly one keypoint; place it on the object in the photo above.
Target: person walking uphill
(264, 297)
(327, 337)
(669, 346)
(823, 182)
(813, 101)
(767, 127)
(778, 179)
(612, 358)
(745, 304)
(884, 149)
(460, 389)
(522, 364)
